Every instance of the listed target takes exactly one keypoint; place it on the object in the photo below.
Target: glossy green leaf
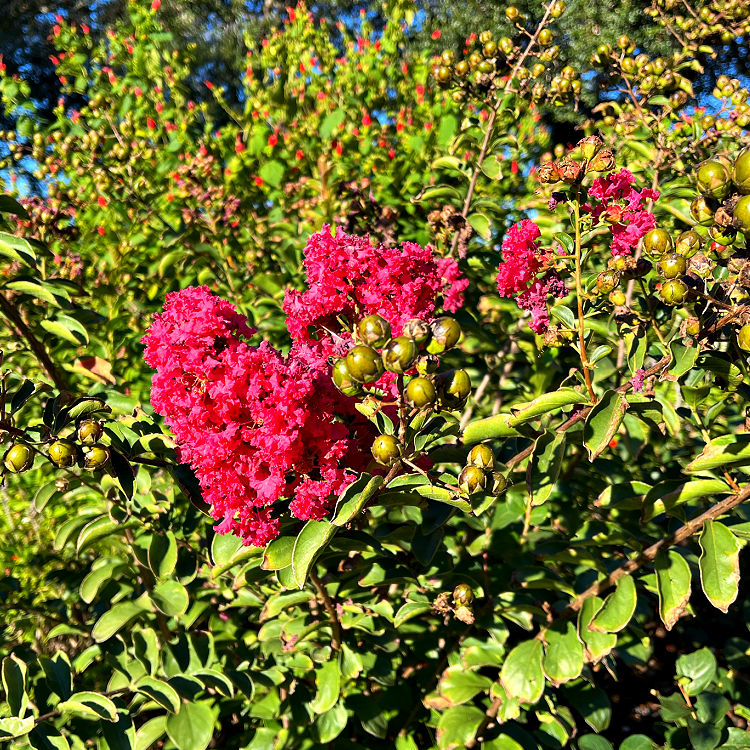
(603, 422)
(329, 725)
(171, 597)
(673, 586)
(14, 684)
(596, 645)
(160, 692)
(563, 655)
(543, 468)
(522, 675)
(727, 450)
(459, 685)
(328, 684)
(617, 609)
(149, 732)
(311, 541)
(13, 726)
(719, 564)
(355, 497)
(114, 619)
(192, 728)
(457, 726)
(696, 671)
(162, 554)
(90, 706)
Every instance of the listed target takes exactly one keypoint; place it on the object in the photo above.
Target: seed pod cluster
(479, 474)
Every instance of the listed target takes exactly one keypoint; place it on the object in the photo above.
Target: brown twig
(330, 609)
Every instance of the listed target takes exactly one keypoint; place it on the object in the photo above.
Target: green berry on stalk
(463, 594)
(741, 172)
(742, 214)
(95, 456)
(364, 364)
(343, 380)
(446, 333)
(485, 67)
(374, 330)
(471, 480)
(723, 235)
(443, 75)
(454, 387)
(673, 292)
(18, 458)
(420, 392)
(672, 266)
(606, 281)
(712, 180)
(499, 483)
(688, 243)
(89, 431)
(702, 209)
(743, 337)
(461, 69)
(417, 330)
(399, 355)
(489, 49)
(386, 450)
(657, 242)
(63, 453)
(481, 456)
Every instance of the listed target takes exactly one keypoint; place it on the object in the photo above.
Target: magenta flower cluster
(264, 432)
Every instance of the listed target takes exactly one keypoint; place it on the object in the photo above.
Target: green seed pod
(712, 180)
(374, 330)
(386, 450)
(672, 266)
(89, 431)
(343, 380)
(454, 388)
(18, 458)
(742, 214)
(673, 292)
(417, 330)
(688, 243)
(481, 456)
(743, 337)
(657, 242)
(741, 172)
(606, 281)
(692, 326)
(446, 333)
(364, 364)
(399, 355)
(471, 480)
(63, 453)
(499, 484)
(420, 392)
(463, 595)
(723, 235)
(702, 209)
(95, 456)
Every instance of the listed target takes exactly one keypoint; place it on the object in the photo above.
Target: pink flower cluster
(621, 206)
(519, 270)
(263, 431)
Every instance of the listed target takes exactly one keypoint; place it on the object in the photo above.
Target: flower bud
(673, 292)
(590, 146)
(63, 453)
(446, 333)
(463, 594)
(343, 380)
(604, 161)
(18, 458)
(471, 480)
(454, 387)
(499, 483)
(95, 456)
(399, 355)
(374, 330)
(606, 281)
(481, 456)
(420, 392)
(386, 450)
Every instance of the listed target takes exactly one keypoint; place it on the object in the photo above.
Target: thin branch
(330, 609)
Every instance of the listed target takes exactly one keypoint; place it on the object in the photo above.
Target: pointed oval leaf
(603, 422)
(522, 675)
(719, 564)
(673, 586)
(89, 706)
(312, 540)
(563, 657)
(617, 609)
(596, 645)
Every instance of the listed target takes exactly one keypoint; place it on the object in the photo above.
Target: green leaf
(637, 742)
(617, 609)
(596, 645)
(666, 496)
(59, 674)
(727, 450)
(160, 692)
(224, 547)
(162, 554)
(547, 403)
(459, 685)
(97, 578)
(327, 682)
(67, 328)
(45, 737)
(97, 529)
(150, 732)
(457, 726)
(594, 742)
(171, 597)
(278, 553)
(544, 466)
(34, 289)
(272, 172)
(9, 205)
(17, 249)
(312, 540)
(501, 425)
(603, 421)
(702, 736)
(591, 702)
(89, 706)
(329, 725)
(15, 727)
(192, 728)
(563, 657)
(14, 684)
(354, 498)
(719, 564)
(683, 357)
(481, 224)
(673, 586)
(492, 168)
(522, 675)
(330, 123)
(442, 495)
(112, 621)
(696, 671)
(409, 610)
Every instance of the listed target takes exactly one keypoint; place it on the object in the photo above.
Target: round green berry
(420, 392)
(374, 330)
(18, 458)
(400, 354)
(446, 333)
(364, 364)
(386, 450)
(63, 453)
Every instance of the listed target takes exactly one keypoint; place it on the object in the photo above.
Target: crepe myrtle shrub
(484, 492)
